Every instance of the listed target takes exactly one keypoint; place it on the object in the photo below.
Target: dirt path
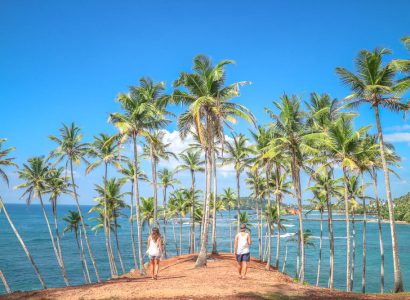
(180, 280)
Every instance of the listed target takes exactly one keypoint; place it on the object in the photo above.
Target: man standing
(242, 252)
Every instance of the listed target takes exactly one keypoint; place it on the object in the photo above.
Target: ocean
(32, 227)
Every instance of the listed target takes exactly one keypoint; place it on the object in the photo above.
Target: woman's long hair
(155, 234)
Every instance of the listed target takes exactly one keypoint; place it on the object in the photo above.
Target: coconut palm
(35, 174)
(229, 198)
(73, 223)
(140, 116)
(375, 84)
(403, 65)
(166, 180)
(72, 150)
(6, 161)
(128, 175)
(244, 219)
(147, 212)
(178, 203)
(210, 109)
(308, 242)
(191, 161)
(237, 154)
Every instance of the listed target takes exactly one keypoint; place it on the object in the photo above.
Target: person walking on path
(242, 251)
(154, 251)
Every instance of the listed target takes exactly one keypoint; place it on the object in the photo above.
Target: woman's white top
(153, 249)
(243, 245)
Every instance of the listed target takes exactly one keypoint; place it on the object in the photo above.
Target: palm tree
(178, 203)
(6, 161)
(374, 84)
(238, 153)
(271, 216)
(35, 174)
(291, 138)
(229, 197)
(56, 185)
(128, 175)
(307, 239)
(147, 212)
(403, 65)
(73, 222)
(72, 150)
(344, 148)
(244, 219)
(106, 152)
(166, 180)
(140, 116)
(210, 109)
(191, 161)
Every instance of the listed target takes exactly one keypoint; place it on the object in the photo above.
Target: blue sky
(64, 61)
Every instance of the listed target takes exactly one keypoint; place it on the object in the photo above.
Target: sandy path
(180, 280)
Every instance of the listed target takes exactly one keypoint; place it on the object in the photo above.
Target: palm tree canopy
(73, 221)
(191, 160)
(5, 161)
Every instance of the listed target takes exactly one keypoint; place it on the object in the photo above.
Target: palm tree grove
(193, 162)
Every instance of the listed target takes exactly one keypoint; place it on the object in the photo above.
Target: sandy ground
(178, 279)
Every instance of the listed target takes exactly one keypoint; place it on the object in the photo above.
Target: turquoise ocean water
(31, 225)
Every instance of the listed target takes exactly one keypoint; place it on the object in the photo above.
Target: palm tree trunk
(259, 224)
(353, 250)
(155, 189)
(296, 180)
(238, 203)
(278, 199)
(379, 223)
(134, 251)
(81, 256)
(398, 281)
(137, 205)
(298, 258)
(192, 214)
(202, 257)
(84, 257)
(23, 245)
(364, 239)
(346, 198)
(90, 251)
(214, 248)
(230, 230)
(269, 221)
(63, 271)
(6, 285)
(165, 223)
(180, 234)
(118, 246)
(106, 226)
(175, 237)
(286, 257)
(320, 248)
(331, 238)
(60, 252)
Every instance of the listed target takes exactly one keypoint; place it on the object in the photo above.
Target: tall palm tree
(229, 198)
(237, 154)
(147, 212)
(73, 222)
(210, 109)
(343, 143)
(57, 185)
(72, 150)
(403, 65)
(191, 161)
(140, 116)
(106, 152)
(6, 161)
(291, 138)
(35, 174)
(128, 175)
(178, 203)
(166, 180)
(375, 84)
(155, 149)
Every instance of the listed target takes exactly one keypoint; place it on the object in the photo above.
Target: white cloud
(398, 137)
(399, 127)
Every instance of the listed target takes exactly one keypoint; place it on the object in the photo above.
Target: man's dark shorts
(243, 257)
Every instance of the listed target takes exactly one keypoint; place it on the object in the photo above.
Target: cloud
(398, 137)
(399, 127)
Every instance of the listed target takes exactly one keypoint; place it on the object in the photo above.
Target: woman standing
(242, 251)
(154, 251)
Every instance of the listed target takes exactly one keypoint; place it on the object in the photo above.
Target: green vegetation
(401, 209)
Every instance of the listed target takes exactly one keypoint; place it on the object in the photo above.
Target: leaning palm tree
(210, 109)
(35, 174)
(375, 84)
(166, 180)
(229, 198)
(6, 161)
(72, 150)
(237, 154)
(140, 116)
(191, 161)
(73, 222)
(128, 175)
